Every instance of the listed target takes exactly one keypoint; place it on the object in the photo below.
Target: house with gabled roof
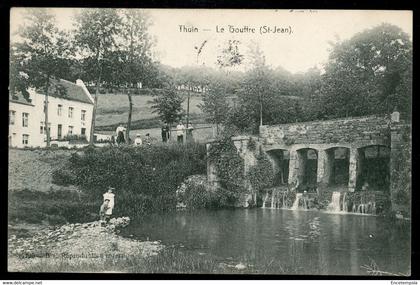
(70, 109)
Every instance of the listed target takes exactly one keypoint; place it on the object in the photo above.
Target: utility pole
(189, 84)
(188, 105)
(127, 139)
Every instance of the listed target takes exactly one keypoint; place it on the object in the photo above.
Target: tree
(253, 94)
(306, 86)
(266, 96)
(215, 104)
(216, 101)
(41, 55)
(133, 57)
(95, 34)
(369, 74)
(168, 106)
(230, 55)
(18, 79)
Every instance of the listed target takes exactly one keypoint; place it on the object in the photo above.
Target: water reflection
(313, 242)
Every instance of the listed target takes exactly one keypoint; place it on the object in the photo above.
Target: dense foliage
(168, 106)
(230, 170)
(370, 73)
(195, 193)
(261, 175)
(145, 178)
(401, 171)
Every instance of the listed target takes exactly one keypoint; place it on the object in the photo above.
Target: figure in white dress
(109, 195)
(138, 140)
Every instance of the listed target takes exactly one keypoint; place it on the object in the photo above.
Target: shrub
(195, 193)
(261, 175)
(62, 176)
(230, 170)
(75, 137)
(199, 197)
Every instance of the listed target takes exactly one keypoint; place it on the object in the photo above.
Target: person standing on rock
(109, 195)
(103, 212)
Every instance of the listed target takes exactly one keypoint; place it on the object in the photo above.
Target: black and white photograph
(210, 141)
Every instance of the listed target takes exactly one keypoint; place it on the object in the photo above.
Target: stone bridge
(347, 153)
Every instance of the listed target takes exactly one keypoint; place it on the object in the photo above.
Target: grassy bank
(113, 109)
(175, 261)
(51, 207)
(167, 260)
(150, 123)
(33, 196)
(32, 168)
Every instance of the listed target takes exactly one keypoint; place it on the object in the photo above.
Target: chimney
(80, 82)
(32, 94)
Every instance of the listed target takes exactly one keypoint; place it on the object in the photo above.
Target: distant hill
(113, 110)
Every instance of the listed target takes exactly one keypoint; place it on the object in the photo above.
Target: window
(12, 117)
(59, 109)
(59, 131)
(25, 139)
(70, 130)
(83, 131)
(25, 119)
(83, 115)
(70, 112)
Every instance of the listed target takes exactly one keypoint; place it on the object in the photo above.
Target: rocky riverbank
(87, 247)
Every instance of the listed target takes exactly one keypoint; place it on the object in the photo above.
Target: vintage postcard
(210, 141)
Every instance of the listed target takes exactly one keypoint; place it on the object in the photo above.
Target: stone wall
(401, 168)
(357, 131)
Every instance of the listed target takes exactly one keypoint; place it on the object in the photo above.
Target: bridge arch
(336, 169)
(280, 159)
(307, 159)
(373, 168)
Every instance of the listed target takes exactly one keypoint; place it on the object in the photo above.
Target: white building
(69, 114)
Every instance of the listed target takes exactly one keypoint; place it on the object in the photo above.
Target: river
(313, 242)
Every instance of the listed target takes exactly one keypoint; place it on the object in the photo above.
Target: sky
(302, 40)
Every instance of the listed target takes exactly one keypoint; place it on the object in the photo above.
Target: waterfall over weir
(341, 201)
(295, 205)
(265, 200)
(334, 206)
(276, 199)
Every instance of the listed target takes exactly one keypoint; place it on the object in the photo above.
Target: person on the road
(180, 129)
(148, 139)
(138, 140)
(165, 133)
(190, 132)
(120, 132)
